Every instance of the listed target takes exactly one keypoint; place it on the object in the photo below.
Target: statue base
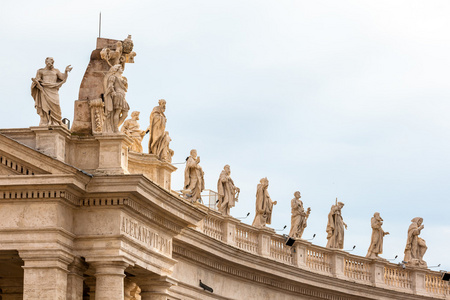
(152, 167)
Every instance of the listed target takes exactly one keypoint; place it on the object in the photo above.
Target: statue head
(340, 204)
(193, 153)
(297, 195)
(49, 61)
(227, 169)
(265, 182)
(417, 220)
(127, 45)
(135, 115)
(162, 104)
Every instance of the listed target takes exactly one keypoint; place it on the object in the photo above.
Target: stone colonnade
(57, 275)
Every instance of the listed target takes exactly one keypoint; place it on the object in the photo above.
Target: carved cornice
(254, 277)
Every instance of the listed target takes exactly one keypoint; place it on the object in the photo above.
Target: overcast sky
(346, 99)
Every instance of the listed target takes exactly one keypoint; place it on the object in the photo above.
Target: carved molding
(17, 167)
(40, 195)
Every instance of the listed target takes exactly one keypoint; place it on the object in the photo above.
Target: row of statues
(228, 195)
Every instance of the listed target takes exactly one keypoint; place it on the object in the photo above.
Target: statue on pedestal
(132, 129)
(158, 143)
(415, 246)
(228, 192)
(264, 205)
(335, 227)
(298, 216)
(44, 91)
(194, 183)
(116, 107)
(376, 242)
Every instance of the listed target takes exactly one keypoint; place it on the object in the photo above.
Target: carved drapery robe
(227, 193)
(157, 132)
(193, 179)
(298, 218)
(44, 91)
(335, 228)
(264, 207)
(415, 246)
(376, 241)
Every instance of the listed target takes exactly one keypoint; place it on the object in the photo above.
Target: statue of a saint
(116, 107)
(376, 242)
(298, 216)
(44, 91)
(194, 183)
(415, 246)
(166, 152)
(132, 129)
(157, 130)
(228, 192)
(335, 227)
(264, 205)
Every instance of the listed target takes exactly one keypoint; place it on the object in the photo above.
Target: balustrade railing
(396, 277)
(357, 269)
(279, 251)
(318, 260)
(434, 284)
(321, 260)
(212, 226)
(246, 238)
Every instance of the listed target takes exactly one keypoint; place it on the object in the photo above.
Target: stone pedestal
(113, 153)
(45, 275)
(229, 230)
(337, 263)
(377, 272)
(152, 167)
(264, 237)
(155, 287)
(51, 140)
(300, 253)
(109, 280)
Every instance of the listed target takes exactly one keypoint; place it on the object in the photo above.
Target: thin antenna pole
(100, 25)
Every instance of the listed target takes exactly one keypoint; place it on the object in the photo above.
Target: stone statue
(158, 143)
(298, 216)
(335, 227)
(264, 205)
(116, 107)
(228, 192)
(194, 183)
(44, 91)
(166, 152)
(415, 246)
(123, 54)
(132, 129)
(376, 242)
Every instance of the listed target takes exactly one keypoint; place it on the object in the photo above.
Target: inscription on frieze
(146, 235)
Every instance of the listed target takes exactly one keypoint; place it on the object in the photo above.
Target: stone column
(109, 277)
(75, 279)
(11, 288)
(155, 287)
(45, 274)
